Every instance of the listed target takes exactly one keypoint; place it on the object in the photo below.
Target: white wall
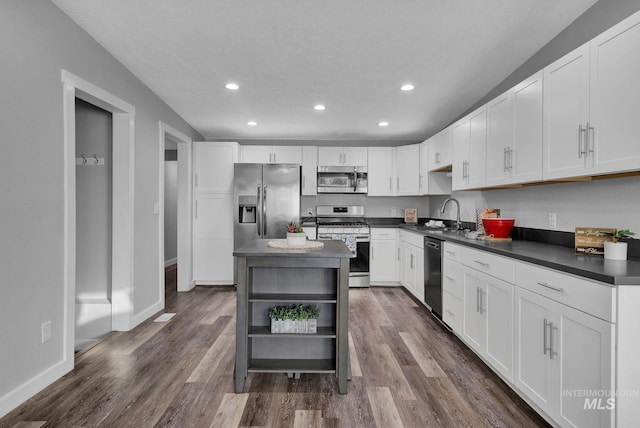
(171, 209)
(37, 41)
(611, 202)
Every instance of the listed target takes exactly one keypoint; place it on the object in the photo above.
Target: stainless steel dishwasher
(433, 275)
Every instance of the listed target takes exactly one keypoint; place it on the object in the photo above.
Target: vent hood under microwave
(342, 179)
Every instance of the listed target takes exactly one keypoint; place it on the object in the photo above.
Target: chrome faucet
(444, 205)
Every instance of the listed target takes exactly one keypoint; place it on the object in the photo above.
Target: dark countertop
(260, 248)
(564, 259)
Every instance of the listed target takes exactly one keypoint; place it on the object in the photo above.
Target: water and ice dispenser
(247, 208)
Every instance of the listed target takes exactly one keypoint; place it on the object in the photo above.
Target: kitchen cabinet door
(440, 150)
(614, 92)
(330, 156)
(213, 166)
(408, 170)
(469, 151)
(309, 171)
(477, 163)
(286, 154)
(533, 373)
(381, 171)
(583, 361)
(525, 158)
(566, 113)
(460, 139)
(473, 322)
(498, 311)
(383, 261)
(419, 273)
(499, 139)
(256, 154)
(213, 239)
(355, 156)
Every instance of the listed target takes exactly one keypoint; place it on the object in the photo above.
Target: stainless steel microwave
(342, 179)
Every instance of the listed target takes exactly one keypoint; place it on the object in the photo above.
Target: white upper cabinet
(213, 166)
(566, 113)
(408, 170)
(439, 148)
(591, 106)
(469, 151)
(514, 134)
(272, 154)
(381, 174)
(342, 156)
(615, 98)
(309, 185)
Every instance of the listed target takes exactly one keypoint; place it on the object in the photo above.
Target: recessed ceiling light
(383, 123)
(319, 107)
(407, 87)
(232, 86)
(252, 123)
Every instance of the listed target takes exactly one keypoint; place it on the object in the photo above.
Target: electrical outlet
(310, 212)
(46, 331)
(553, 225)
(394, 212)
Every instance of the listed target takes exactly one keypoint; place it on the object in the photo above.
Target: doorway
(94, 206)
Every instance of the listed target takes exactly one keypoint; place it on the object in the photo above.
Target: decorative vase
(615, 250)
(296, 239)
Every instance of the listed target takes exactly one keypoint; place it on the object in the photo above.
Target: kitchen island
(270, 277)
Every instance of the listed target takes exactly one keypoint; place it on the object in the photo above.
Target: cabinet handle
(581, 133)
(504, 160)
(398, 253)
(481, 301)
(551, 351)
(478, 299)
(551, 287)
(390, 184)
(196, 209)
(304, 182)
(509, 158)
(453, 253)
(482, 263)
(420, 181)
(437, 157)
(274, 158)
(411, 264)
(544, 336)
(196, 180)
(591, 139)
(450, 313)
(450, 278)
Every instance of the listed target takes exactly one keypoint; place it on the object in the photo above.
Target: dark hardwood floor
(407, 371)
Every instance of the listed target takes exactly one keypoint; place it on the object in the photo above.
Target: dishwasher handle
(432, 244)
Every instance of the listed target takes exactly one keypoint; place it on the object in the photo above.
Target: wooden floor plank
(384, 409)
(407, 371)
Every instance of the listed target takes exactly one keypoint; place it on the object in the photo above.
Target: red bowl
(498, 227)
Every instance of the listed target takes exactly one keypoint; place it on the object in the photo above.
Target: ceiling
(350, 55)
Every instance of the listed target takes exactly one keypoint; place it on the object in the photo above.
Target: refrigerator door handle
(264, 210)
(258, 216)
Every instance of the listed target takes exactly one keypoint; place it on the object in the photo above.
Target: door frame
(185, 225)
(122, 206)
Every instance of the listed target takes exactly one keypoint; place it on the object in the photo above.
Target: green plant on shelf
(619, 235)
(294, 312)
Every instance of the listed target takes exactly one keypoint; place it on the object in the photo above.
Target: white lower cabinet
(213, 239)
(552, 336)
(412, 263)
(564, 361)
(488, 319)
(384, 256)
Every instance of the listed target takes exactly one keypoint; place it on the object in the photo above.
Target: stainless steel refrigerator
(266, 198)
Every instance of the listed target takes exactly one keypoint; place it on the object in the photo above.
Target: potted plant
(615, 249)
(294, 319)
(295, 235)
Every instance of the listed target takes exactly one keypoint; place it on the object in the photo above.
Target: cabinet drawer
(384, 233)
(415, 239)
(452, 251)
(491, 264)
(452, 311)
(588, 296)
(452, 278)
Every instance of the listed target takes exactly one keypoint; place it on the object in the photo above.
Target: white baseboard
(384, 283)
(170, 262)
(223, 282)
(22, 393)
(146, 314)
